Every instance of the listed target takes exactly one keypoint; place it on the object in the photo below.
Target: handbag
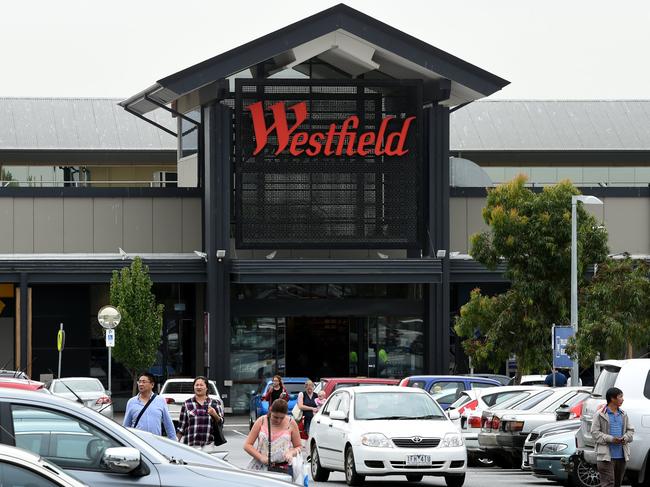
(217, 430)
(279, 467)
(296, 412)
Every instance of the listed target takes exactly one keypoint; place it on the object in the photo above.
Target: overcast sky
(553, 49)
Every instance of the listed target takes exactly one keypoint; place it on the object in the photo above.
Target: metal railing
(17, 183)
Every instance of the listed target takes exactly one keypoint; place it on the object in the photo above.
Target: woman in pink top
(285, 439)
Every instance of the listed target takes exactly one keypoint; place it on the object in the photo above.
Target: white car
(176, 391)
(471, 405)
(385, 430)
(20, 467)
(88, 391)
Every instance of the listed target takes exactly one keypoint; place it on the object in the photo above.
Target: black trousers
(611, 473)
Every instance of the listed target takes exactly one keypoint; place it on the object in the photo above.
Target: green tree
(531, 234)
(138, 336)
(615, 311)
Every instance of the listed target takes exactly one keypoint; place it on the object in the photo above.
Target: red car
(329, 385)
(23, 384)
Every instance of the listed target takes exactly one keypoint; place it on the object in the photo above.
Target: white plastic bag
(300, 475)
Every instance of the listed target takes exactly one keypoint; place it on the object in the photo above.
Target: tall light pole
(587, 200)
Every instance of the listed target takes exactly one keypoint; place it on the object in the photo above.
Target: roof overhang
(349, 42)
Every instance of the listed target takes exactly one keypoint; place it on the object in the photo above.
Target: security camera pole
(109, 318)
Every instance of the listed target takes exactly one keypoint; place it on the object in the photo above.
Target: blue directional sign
(561, 335)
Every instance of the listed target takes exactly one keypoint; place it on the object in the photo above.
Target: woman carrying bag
(274, 440)
(201, 419)
(307, 405)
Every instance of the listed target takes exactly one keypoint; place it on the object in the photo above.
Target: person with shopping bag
(306, 406)
(201, 419)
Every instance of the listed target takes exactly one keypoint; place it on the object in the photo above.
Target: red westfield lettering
(348, 142)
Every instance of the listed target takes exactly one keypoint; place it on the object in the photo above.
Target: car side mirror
(338, 415)
(121, 459)
(453, 414)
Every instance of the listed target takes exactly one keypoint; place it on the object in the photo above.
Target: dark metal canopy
(352, 42)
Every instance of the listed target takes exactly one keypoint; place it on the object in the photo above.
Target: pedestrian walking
(613, 433)
(307, 404)
(148, 411)
(201, 419)
(276, 391)
(274, 440)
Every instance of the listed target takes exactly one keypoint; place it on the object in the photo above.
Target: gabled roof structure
(344, 43)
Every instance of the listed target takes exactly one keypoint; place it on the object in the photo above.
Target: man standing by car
(612, 433)
(147, 411)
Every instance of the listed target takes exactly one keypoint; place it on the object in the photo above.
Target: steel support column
(217, 127)
(24, 313)
(436, 217)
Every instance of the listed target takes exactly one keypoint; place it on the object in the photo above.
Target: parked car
(23, 384)
(332, 384)
(551, 451)
(19, 467)
(529, 380)
(177, 391)
(294, 385)
(504, 435)
(384, 430)
(87, 390)
(445, 389)
(100, 452)
(540, 431)
(633, 378)
(471, 405)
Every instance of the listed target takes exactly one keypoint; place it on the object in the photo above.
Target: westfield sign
(337, 141)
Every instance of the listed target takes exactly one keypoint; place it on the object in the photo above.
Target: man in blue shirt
(155, 415)
(612, 432)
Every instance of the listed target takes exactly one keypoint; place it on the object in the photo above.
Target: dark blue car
(294, 385)
(447, 388)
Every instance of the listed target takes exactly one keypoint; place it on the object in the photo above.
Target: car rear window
(294, 388)
(500, 397)
(417, 383)
(463, 399)
(534, 401)
(606, 379)
(185, 388)
(78, 386)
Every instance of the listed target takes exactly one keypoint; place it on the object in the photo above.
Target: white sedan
(384, 430)
(176, 391)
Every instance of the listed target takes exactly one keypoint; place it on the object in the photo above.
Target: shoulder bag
(283, 467)
(137, 420)
(217, 428)
(296, 412)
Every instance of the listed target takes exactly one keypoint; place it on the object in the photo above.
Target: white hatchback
(176, 391)
(384, 430)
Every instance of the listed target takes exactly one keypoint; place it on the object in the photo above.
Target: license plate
(418, 460)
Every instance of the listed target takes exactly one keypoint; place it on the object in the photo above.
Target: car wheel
(318, 473)
(414, 477)
(585, 474)
(455, 480)
(351, 475)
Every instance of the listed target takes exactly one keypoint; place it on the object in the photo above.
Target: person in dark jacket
(612, 433)
(276, 391)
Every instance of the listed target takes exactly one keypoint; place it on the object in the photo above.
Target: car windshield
(395, 405)
(90, 385)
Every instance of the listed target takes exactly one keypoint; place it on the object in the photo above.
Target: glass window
(90, 385)
(395, 346)
(606, 379)
(535, 400)
(463, 399)
(480, 385)
(442, 386)
(344, 405)
(417, 383)
(382, 405)
(332, 404)
(189, 134)
(64, 440)
(17, 476)
(499, 397)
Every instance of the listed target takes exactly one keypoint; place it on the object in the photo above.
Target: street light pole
(587, 200)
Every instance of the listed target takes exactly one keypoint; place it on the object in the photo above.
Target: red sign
(336, 141)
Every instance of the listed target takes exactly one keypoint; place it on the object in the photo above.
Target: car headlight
(553, 447)
(452, 440)
(376, 440)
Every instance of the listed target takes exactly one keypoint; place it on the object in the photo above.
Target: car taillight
(404, 382)
(474, 422)
(576, 411)
(513, 425)
(471, 406)
(169, 400)
(103, 400)
(486, 423)
(496, 423)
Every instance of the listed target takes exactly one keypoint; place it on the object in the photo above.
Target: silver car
(20, 467)
(100, 452)
(87, 390)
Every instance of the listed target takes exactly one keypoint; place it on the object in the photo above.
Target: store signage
(335, 142)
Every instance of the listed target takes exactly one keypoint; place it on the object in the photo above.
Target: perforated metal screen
(328, 201)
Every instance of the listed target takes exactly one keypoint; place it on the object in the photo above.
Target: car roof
(379, 388)
(454, 377)
(361, 380)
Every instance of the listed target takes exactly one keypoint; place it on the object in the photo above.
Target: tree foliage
(531, 234)
(615, 311)
(138, 335)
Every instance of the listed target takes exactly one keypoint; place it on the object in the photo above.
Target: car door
(72, 443)
(339, 430)
(326, 448)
